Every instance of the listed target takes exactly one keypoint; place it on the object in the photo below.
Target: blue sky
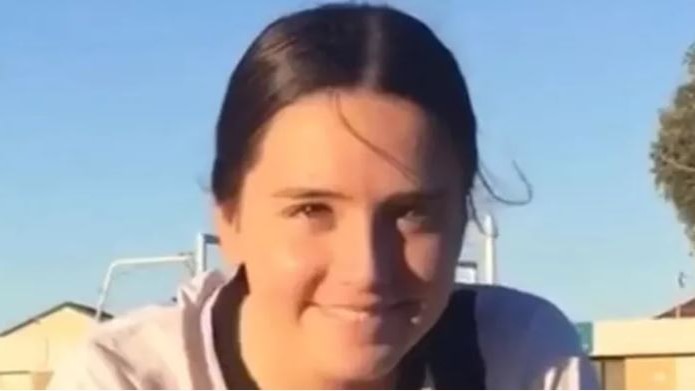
(107, 110)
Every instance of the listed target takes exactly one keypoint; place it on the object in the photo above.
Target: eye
(417, 218)
(308, 210)
(415, 214)
(312, 216)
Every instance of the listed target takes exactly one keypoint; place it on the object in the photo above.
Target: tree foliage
(673, 153)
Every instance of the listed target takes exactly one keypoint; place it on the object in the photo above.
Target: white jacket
(525, 343)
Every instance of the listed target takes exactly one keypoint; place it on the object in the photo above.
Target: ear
(228, 232)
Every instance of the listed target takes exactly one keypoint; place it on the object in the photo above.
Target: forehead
(360, 135)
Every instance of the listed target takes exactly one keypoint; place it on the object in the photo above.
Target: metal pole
(201, 251)
(106, 285)
(104, 292)
(490, 259)
(200, 254)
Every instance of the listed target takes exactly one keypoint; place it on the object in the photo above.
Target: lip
(357, 313)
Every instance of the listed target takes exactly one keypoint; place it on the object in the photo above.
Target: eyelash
(418, 215)
(307, 210)
(415, 218)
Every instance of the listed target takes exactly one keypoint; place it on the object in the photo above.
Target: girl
(345, 160)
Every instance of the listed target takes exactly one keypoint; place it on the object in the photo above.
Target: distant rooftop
(84, 309)
(684, 310)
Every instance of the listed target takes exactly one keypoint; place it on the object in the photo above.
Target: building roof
(84, 309)
(686, 309)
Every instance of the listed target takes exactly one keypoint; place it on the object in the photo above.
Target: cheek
(431, 258)
(433, 262)
(284, 270)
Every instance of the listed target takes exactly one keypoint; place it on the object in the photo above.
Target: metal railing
(196, 262)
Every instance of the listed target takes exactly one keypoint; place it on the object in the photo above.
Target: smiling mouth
(364, 313)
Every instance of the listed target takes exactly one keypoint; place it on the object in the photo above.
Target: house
(683, 310)
(651, 353)
(31, 349)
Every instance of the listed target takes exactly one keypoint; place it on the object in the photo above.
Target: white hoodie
(525, 343)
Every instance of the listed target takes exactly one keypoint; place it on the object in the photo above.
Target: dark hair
(332, 47)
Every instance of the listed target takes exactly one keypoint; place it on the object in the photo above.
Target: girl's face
(349, 224)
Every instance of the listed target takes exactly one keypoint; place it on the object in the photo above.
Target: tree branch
(675, 164)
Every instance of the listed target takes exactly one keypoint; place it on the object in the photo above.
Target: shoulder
(528, 341)
(151, 348)
(126, 352)
(508, 310)
(511, 321)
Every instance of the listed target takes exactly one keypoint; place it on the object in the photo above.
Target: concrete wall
(685, 372)
(15, 381)
(37, 348)
(24, 380)
(646, 353)
(651, 373)
(644, 337)
(613, 374)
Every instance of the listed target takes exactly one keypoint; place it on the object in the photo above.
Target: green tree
(673, 153)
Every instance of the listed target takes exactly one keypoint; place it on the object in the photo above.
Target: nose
(370, 254)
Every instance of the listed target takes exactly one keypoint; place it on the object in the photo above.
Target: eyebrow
(419, 196)
(308, 193)
(317, 193)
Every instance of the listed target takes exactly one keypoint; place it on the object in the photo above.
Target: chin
(360, 364)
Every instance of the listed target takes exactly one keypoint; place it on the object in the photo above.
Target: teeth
(348, 314)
